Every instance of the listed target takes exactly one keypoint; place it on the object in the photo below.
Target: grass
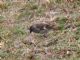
(16, 43)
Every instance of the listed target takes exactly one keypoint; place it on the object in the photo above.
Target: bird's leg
(45, 35)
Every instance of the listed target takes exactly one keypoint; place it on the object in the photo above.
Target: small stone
(0, 58)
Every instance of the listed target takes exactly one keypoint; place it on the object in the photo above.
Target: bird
(41, 28)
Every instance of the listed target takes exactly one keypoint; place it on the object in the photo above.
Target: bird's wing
(44, 27)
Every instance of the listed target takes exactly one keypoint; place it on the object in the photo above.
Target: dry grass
(16, 43)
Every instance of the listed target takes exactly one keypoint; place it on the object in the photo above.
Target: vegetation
(16, 43)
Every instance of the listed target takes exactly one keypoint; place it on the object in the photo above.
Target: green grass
(19, 44)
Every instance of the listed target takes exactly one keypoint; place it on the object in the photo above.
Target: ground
(16, 43)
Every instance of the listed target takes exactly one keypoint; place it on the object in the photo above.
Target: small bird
(42, 28)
